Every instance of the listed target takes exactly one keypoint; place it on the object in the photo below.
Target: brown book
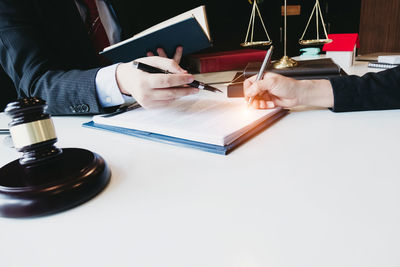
(235, 87)
(313, 67)
(323, 68)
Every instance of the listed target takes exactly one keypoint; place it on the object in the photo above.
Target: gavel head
(32, 131)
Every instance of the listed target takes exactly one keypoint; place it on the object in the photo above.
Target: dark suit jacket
(373, 91)
(7, 90)
(45, 50)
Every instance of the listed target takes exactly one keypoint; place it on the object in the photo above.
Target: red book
(222, 61)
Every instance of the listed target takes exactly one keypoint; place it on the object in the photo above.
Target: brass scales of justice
(285, 61)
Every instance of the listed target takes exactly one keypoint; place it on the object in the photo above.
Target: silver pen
(264, 65)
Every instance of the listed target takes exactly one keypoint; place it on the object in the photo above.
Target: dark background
(228, 22)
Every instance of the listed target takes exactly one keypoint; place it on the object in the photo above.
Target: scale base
(70, 179)
(285, 62)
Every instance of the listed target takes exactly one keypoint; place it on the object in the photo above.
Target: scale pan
(257, 43)
(315, 41)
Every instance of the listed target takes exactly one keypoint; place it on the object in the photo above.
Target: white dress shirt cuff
(107, 88)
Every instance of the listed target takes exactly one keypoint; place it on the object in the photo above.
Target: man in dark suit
(47, 51)
(373, 91)
(7, 90)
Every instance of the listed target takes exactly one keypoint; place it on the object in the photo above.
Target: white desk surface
(316, 189)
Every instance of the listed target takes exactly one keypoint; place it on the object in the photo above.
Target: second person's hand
(277, 90)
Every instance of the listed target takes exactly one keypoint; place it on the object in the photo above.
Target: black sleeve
(373, 91)
(44, 55)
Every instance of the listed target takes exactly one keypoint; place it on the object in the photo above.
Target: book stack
(380, 65)
(323, 68)
(385, 62)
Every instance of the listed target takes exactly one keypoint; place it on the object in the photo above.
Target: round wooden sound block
(62, 182)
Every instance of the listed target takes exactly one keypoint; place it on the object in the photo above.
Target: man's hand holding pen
(151, 69)
(154, 90)
(157, 81)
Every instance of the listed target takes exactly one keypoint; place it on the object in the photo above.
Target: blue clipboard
(223, 150)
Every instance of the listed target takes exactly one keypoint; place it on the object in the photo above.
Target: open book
(189, 29)
(204, 121)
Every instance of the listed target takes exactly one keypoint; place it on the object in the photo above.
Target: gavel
(46, 179)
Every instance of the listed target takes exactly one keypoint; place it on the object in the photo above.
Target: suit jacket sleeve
(48, 55)
(373, 91)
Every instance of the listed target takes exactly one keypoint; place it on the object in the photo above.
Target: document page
(205, 117)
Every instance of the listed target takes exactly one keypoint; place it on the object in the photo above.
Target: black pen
(264, 65)
(151, 69)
